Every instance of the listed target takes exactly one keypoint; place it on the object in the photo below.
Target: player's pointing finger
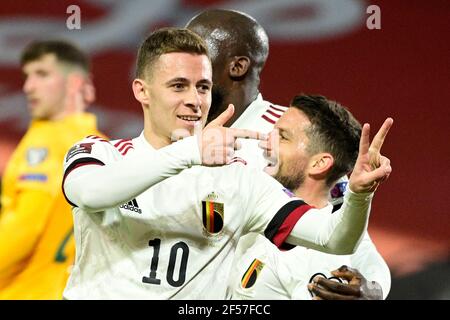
(378, 140)
(248, 134)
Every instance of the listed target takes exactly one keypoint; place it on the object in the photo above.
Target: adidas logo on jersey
(132, 206)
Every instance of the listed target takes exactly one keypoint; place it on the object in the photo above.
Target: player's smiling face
(179, 92)
(293, 142)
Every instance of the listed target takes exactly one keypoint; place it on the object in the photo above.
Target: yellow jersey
(37, 247)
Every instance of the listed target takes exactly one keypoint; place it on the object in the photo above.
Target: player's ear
(74, 83)
(140, 91)
(239, 66)
(74, 99)
(320, 164)
(88, 91)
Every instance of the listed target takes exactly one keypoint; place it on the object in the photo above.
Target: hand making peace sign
(371, 168)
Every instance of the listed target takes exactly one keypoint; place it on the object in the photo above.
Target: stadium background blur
(316, 46)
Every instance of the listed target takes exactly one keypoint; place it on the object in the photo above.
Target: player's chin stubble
(290, 181)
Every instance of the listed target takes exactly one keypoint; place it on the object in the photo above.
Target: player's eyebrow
(205, 81)
(186, 81)
(177, 80)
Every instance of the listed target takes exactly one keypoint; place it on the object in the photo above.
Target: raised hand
(218, 143)
(371, 168)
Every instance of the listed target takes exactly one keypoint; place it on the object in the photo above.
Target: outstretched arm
(95, 180)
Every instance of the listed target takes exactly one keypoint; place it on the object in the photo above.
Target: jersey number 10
(152, 278)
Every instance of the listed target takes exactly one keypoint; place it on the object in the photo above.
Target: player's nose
(28, 85)
(193, 99)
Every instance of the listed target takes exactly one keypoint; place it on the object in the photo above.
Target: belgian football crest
(212, 214)
(252, 273)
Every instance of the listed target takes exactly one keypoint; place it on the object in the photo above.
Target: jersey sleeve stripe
(123, 146)
(268, 119)
(118, 143)
(76, 164)
(273, 113)
(127, 149)
(277, 109)
(284, 221)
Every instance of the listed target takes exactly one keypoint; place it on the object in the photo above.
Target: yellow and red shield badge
(213, 216)
(250, 276)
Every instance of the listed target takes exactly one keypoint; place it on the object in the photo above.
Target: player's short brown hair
(64, 51)
(167, 40)
(333, 130)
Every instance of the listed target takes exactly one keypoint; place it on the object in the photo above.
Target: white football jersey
(177, 239)
(263, 272)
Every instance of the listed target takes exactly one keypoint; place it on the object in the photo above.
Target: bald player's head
(232, 33)
(238, 47)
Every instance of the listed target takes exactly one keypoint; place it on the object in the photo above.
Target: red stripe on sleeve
(120, 142)
(268, 119)
(278, 109)
(273, 113)
(127, 149)
(123, 146)
(288, 224)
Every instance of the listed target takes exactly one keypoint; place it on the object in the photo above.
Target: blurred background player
(239, 48)
(36, 228)
(317, 145)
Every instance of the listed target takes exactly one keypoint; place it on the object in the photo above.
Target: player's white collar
(141, 143)
(249, 113)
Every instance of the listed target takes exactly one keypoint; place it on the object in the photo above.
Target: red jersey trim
(273, 113)
(268, 119)
(284, 221)
(287, 226)
(127, 149)
(277, 109)
(118, 143)
(124, 145)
